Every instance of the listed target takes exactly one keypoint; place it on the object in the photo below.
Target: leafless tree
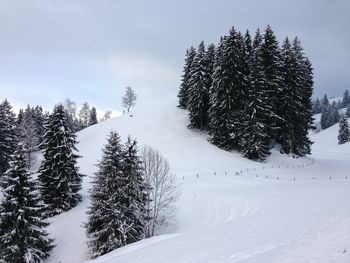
(84, 114)
(106, 116)
(162, 191)
(129, 99)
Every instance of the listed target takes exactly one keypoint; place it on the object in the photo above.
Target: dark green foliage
(59, 178)
(22, 235)
(198, 93)
(272, 66)
(227, 93)
(329, 117)
(344, 132)
(184, 87)
(259, 95)
(8, 135)
(116, 215)
(93, 116)
(256, 143)
(317, 106)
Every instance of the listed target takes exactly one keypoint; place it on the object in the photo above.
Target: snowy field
(235, 210)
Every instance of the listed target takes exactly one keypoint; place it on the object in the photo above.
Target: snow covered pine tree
(344, 132)
(22, 235)
(184, 87)
(8, 135)
(116, 214)
(60, 180)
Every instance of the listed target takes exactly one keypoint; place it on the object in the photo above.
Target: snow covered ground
(236, 210)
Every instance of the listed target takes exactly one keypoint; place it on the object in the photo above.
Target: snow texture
(231, 209)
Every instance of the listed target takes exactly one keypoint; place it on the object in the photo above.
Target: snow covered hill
(236, 210)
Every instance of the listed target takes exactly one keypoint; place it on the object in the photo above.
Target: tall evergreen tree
(272, 65)
(115, 217)
(8, 135)
(22, 235)
(317, 106)
(93, 116)
(344, 130)
(184, 87)
(325, 101)
(226, 102)
(290, 99)
(135, 192)
(59, 175)
(302, 145)
(198, 93)
(348, 110)
(39, 120)
(255, 138)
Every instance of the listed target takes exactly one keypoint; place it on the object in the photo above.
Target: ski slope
(231, 209)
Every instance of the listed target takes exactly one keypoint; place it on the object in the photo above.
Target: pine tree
(20, 117)
(317, 107)
(184, 87)
(325, 102)
(256, 143)
(227, 93)
(93, 117)
(198, 93)
(290, 99)
(22, 235)
(325, 115)
(135, 191)
(272, 65)
(115, 217)
(302, 146)
(59, 177)
(39, 120)
(344, 131)
(8, 135)
(348, 110)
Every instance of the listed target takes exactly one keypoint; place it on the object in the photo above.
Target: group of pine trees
(330, 111)
(249, 94)
(118, 212)
(27, 202)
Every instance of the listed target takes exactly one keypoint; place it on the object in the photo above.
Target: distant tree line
(330, 111)
(250, 94)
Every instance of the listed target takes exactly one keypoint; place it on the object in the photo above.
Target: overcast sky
(91, 50)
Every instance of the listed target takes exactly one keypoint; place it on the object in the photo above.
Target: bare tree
(162, 189)
(129, 99)
(106, 116)
(70, 107)
(84, 114)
